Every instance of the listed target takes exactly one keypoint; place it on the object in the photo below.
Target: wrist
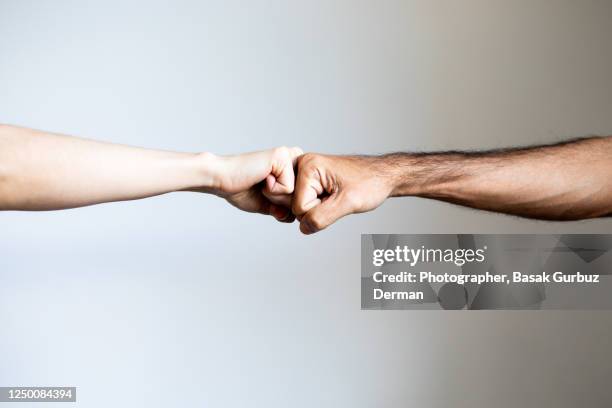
(208, 172)
(399, 174)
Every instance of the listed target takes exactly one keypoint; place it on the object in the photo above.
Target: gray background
(183, 300)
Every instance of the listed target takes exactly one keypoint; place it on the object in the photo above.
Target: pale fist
(261, 182)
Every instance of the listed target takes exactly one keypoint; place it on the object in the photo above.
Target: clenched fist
(260, 182)
(330, 187)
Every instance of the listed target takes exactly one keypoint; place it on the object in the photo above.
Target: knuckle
(297, 208)
(297, 151)
(281, 152)
(316, 223)
(309, 158)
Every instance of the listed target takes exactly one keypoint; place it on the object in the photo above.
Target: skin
(44, 171)
(567, 181)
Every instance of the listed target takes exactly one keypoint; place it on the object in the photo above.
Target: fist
(260, 182)
(330, 187)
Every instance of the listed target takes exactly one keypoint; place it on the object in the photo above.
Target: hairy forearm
(44, 171)
(567, 181)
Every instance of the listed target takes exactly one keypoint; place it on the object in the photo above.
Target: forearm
(43, 171)
(560, 182)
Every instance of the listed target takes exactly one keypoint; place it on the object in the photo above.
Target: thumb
(274, 186)
(275, 195)
(282, 177)
(323, 215)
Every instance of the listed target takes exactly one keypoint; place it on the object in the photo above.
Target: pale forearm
(44, 171)
(561, 182)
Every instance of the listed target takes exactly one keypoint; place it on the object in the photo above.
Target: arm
(44, 171)
(567, 181)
